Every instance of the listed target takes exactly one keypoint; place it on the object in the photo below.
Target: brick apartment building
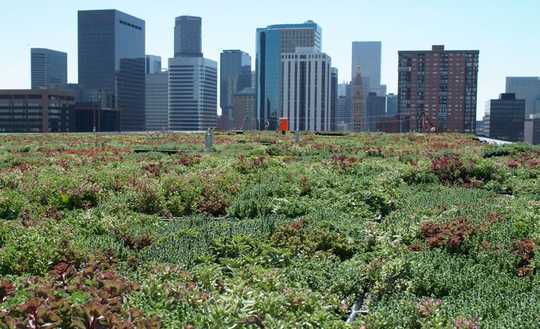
(437, 89)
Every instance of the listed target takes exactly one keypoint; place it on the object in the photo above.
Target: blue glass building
(367, 55)
(153, 64)
(527, 88)
(49, 68)
(391, 105)
(111, 49)
(272, 41)
(235, 76)
(188, 36)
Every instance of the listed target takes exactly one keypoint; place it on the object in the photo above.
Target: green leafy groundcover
(424, 231)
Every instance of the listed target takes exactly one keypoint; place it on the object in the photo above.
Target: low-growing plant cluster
(149, 231)
(90, 296)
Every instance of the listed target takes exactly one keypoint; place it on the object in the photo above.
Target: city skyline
(500, 30)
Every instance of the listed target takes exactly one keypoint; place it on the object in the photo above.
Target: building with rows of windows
(36, 110)
(437, 89)
(307, 90)
(272, 42)
(192, 80)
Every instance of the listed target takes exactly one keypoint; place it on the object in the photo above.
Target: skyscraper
(49, 68)
(131, 94)
(112, 64)
(343, 108)
(342, 89)
(192, 80)
(244, 109)
(272, 41)
(375, 110)
(188, 37)
(342, 117)
(334, 83)
(358, 110)
(391, 105)
(527, 88)
(506, 118)
(235, 76)
(152, 64)
(437, 89)
(192, 93)
(367, 56)
(532, 130)
(157, 101)
(307, 89)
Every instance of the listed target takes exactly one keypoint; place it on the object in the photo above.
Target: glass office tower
(49, 68)
(527, 88)
(157, 101)
(334, 84)
(367, 55)
(112, 65)
(272, 41)
(506, 118)
(188, 36)
(235, 76)
(153, 64)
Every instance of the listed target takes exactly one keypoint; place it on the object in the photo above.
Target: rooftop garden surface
(149, 231)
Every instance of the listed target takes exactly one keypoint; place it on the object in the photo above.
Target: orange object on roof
(284, 124)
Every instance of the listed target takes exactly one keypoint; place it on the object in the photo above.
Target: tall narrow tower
(192, 80)
(235, 76)
(358, 103)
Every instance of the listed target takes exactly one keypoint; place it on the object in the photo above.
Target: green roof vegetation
(137, 231)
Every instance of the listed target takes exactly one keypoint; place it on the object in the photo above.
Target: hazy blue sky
(507, 33)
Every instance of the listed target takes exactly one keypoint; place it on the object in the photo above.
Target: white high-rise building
(306, 89)
(192, 93)
(192, 80)
(272, 41)
(157, 103)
